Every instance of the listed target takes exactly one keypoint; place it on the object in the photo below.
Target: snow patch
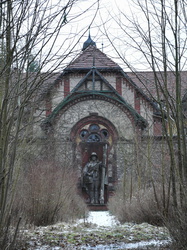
(101, 218)
(143, 244)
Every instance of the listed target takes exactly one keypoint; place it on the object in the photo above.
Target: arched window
(83, 133)
(104, 132)
(94, 133)
(94, 127)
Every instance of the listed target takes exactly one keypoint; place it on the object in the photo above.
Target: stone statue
(92, 178)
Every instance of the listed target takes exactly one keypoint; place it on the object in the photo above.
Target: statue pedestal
(97, 207)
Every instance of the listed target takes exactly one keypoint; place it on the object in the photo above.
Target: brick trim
(66, 87)
(48, 107)
(157, 127)
(137, 102)
(119, 85)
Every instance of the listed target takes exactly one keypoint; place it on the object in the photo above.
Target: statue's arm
(86, 170)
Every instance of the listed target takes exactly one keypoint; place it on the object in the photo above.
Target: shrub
(154, 206)
(141, 207)
(177, 226)
(46, 194)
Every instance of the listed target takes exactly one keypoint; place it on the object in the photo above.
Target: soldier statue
(92, 178)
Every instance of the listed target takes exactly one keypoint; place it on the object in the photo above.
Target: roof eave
(103, 69)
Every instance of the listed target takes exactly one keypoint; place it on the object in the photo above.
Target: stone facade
(95, 107)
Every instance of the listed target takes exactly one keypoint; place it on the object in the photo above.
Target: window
(94, 127)
(104, 132)
(94, 134)
(83, 133)
(93, 138)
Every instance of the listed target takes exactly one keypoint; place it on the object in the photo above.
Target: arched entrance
(95, 134)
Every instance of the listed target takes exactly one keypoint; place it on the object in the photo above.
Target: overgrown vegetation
(28, 28)
(144, 206)
(81, 234)
(156, 31)
(46, 194)
(141, 207)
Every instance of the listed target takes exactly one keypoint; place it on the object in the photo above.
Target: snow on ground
(101, 218)
(99, 231)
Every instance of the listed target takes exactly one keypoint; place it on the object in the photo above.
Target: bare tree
(28, 28)
(156, 32)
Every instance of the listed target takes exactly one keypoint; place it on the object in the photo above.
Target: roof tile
(88, 56)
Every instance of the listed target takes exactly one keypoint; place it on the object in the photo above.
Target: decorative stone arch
(95, 119)
(103, 144)
(134, 117)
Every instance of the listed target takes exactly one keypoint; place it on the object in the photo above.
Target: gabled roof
(92, 56)
(146, 82)
(108, 94)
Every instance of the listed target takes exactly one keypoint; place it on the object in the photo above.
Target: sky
(91, 15)
(102, 18)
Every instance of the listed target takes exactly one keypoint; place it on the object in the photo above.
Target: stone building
(94, 106)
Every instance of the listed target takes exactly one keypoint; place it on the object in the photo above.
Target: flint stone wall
(62, 129)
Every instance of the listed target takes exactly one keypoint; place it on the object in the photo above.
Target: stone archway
(95, 134)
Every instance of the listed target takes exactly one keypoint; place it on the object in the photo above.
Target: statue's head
(93, 155)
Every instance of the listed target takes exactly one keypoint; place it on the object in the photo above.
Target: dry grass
(149, 205)
(141, 207)
(46, 194)
(177, 226)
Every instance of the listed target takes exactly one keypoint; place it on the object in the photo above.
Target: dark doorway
(101, 149)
